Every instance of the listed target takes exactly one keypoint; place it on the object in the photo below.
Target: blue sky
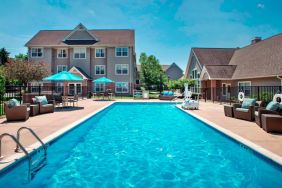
(165, 28)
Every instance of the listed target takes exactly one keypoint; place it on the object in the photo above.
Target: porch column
(213, 90)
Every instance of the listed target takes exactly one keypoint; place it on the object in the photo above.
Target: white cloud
(260, 5)
(207, 25)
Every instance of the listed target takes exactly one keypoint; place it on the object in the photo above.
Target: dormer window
(62, 53)
(79, 53)
(36, 52)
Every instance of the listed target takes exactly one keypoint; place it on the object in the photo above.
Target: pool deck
(49, 124)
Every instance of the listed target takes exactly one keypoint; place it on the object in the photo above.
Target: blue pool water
(147, 145)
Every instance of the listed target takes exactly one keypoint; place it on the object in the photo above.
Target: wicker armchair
(46, 108)
(243, 113)
(17, 113)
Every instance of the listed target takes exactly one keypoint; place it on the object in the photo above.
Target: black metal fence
(230, 94)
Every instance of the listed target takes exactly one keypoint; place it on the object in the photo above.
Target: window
(62, 53)
(121, 87)
(36, 52)
(99, 87)
(194, 75)
(79, 53)
(75, 89)
(100, 69)
(99, 52)
(59, 87)
(61, 68)
(121, 69)
(245, 87)
(122, 52)
(78, 89)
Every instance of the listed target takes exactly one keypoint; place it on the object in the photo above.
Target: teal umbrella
(103, 80)
(63, 76)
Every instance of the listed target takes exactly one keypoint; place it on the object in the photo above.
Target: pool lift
(33, 166)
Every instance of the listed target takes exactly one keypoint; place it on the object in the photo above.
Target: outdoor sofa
(15, 111)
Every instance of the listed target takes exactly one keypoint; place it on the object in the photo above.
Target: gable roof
(82, 73)
(262, 59)
(164, 67)
(117, 37)
(214, 56)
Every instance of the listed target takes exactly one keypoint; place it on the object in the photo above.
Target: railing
(21, 147)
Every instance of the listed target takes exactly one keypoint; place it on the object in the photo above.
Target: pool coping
(17, 157)
(259, 149)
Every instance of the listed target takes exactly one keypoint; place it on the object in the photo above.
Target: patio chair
(45, 106)
(16, 112)
(274, 107)
(74, 100)
(246, 110)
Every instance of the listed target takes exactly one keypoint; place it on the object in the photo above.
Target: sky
(164, 28)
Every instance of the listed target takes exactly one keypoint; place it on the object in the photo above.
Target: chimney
(256, 40)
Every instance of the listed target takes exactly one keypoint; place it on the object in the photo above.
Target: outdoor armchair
(17, 113)
(44, 105)
(243, 111)
(261, 111)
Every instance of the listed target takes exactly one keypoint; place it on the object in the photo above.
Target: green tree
(151, 70)
(25, 71)
(2, 80)
(4, 56)
(21, 57)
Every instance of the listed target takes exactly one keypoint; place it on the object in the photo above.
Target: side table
(34, 109)
(228, 110)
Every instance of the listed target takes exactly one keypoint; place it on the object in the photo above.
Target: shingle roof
(262, 59)
(122, 37)
(220, 71)
(214, 56)
(164, 67)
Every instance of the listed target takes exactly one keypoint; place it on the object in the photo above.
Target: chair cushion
(41, 99)
(167, 93)
(256, 113)
(274, 106)
(13, 103)
(248, 102)
(242, 109)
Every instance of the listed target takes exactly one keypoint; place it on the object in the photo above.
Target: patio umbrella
(63, 76)
(103, 80)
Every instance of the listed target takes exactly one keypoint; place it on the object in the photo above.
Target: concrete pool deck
(48, 124)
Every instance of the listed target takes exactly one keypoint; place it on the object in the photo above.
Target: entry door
(226, 90)
(71, 89)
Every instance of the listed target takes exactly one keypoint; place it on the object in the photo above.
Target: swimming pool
(147, 145)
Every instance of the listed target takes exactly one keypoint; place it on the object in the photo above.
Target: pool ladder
(20, 148)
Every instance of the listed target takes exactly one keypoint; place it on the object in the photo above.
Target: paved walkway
(248, 130)
(47, 124)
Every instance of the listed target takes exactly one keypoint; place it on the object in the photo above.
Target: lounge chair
(16, 112)
(45, 106)
(272, 108)
(246, 110)
(167, 95)
(137, 94)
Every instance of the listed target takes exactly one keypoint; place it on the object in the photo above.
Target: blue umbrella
(63, 76)
(103, 80)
